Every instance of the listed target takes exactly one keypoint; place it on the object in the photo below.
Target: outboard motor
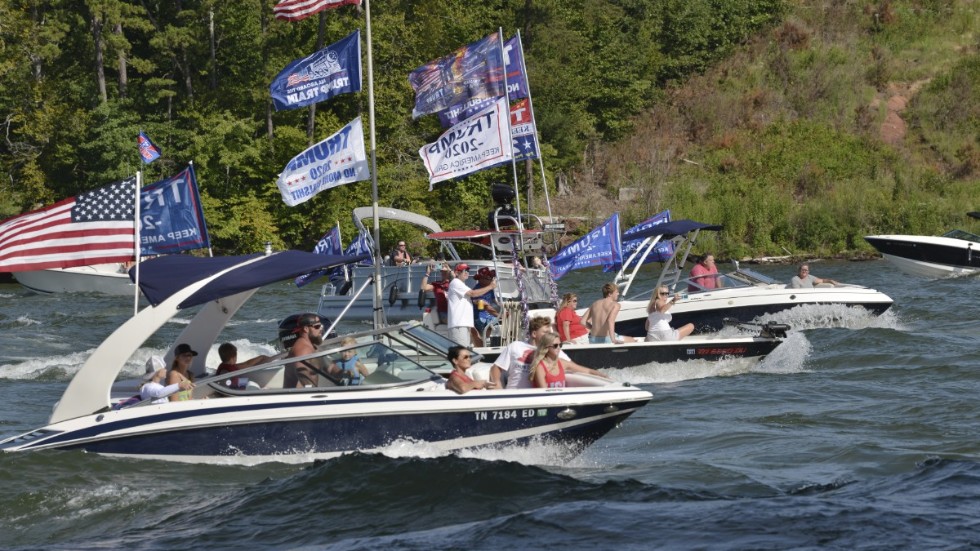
(774, 330)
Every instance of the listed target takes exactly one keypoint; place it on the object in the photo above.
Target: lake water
(858, 432)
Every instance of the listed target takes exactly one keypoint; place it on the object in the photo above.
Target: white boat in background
(401, 399)
(108, 279)
(745, 295)
(955, 253)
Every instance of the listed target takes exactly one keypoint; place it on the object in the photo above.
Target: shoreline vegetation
(798, 126)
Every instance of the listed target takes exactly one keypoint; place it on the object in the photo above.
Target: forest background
(799, 125)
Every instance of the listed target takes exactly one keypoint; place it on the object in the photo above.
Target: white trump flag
(479, 142)
(335, 161)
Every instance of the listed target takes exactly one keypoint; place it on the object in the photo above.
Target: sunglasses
(664, 294)
(466, 357)
(555, 346)
(317, 326)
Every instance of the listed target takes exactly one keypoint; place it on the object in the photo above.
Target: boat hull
(709, 310)
(103, 278)
(327, 424)
(627, 355)
(927, 256)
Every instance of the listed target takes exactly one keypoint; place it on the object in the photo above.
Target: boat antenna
(379, 314)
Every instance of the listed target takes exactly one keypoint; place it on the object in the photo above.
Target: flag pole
(379, 315)
(136, 241)
(513, 160)
(537, 135)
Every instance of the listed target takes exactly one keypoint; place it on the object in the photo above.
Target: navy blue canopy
(673, 229)
(163, 276)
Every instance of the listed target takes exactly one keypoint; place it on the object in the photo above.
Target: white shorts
(461, 335)
(581, 339)
(671, 335)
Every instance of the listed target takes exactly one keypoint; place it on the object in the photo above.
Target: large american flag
(294, 10)
(95, 227)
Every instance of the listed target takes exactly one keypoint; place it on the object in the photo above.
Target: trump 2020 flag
(96, 227)
(171, 217)
(660, 253)
(328, 244)
(149, 152)
(474, 71)
(296, 10)
(479, 142)
(516, 86)
(337, 160)
(599, 247)
(332, 71)
(523, 131)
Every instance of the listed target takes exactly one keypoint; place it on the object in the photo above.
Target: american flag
(295, 10)
(295, 79)
(95, 227)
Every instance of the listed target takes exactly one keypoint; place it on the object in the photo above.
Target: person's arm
(586, 317)
(361, 368)
(611, 324)
(820, 281)
(495, 375)
(569, 365)
(261, 359)
(482, 290)
(539, 380)
(566, 329)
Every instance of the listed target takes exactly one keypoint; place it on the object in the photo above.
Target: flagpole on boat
(136, 241)
(379, 315)
(537, 135)
(513, 159)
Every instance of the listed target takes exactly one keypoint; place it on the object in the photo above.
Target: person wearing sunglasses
(569, 323)
(513, 366)
(658, 318)
(548, 370)
(458, 381)
(309, 335)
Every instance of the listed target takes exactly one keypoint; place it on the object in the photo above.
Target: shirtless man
(309, 330)
(602, 315)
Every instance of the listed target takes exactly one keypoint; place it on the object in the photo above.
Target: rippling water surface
(856, 432)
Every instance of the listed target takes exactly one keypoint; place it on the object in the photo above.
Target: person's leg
(686, 330)
(460, 335)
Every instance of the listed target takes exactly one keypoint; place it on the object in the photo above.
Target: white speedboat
(401, 398)
(401, 285)
(744, 295)
(955, 253)
(713, 347)
(107, 279)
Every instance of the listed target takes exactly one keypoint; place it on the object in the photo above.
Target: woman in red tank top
(548, 371)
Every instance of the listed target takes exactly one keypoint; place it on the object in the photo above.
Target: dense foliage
(82, 77)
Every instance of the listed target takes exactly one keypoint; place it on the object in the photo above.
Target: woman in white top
(658, 318)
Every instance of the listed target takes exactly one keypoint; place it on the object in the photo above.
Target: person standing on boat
(180, 372)
(486, 304)
(309, 335)
(658, 318)
(460, 307)
(400, 256)
(704, 274)
(515, 359)
(600, 318)
(569, 323)
(439, 289)
(458, 381)
(804, 280)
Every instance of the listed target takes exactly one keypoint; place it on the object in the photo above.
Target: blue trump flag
(171, 217)
(333, 70)
(362, 245)
(663, 250)
(599, 247)
(516, 87)
(328, 244)
(472, 72)
(149, 152)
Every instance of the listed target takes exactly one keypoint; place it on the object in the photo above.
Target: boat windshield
(369, 362)
(964, 235)
(740, 277)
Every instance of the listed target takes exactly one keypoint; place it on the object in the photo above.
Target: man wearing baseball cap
(460, 308)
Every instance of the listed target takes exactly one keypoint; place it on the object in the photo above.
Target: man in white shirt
(460, 308)
(515, 358)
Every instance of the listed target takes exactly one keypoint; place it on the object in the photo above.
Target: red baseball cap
(461, 267)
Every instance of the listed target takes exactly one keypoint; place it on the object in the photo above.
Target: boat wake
(819, 316)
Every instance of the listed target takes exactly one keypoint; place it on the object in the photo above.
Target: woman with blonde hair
(547, 370)
(658, 318)
(569, 323)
